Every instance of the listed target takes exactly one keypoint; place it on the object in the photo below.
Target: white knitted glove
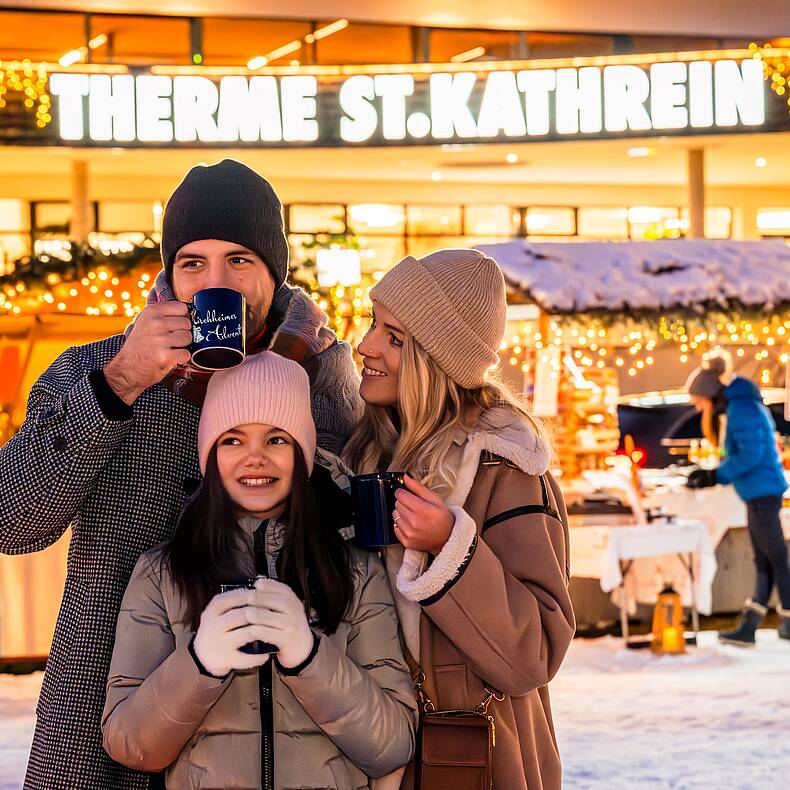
(281, 620)
(226, 624)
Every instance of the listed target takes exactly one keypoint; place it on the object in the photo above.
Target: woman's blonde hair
(416, 435)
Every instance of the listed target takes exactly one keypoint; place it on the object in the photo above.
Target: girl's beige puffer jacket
(349, 715)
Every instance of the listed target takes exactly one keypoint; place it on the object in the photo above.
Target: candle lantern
(668, 623)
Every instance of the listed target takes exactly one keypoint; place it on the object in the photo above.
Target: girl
(752, 464)
(334, 705)
(481, 588)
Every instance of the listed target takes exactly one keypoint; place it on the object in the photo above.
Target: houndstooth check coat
(119, 484)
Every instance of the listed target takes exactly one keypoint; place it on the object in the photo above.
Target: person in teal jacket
(752, 466)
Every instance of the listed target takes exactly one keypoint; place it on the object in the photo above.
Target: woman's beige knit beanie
(453, 303)
(266, 389)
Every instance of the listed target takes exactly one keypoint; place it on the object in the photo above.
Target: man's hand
(422, 520)
(156, 345)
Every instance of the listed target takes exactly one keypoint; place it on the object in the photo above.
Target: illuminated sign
(395, 109)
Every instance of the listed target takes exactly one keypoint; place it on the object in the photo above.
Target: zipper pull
(493, 730)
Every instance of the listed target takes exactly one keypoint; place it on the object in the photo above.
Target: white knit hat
(266, 389)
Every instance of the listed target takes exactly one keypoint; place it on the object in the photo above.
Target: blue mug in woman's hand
(218, 328)
(374, 501)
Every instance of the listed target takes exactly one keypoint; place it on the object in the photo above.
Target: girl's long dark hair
(314, 560)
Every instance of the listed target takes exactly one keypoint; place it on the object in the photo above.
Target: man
(109, 443)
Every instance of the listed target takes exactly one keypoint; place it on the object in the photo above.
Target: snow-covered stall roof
(645, 276)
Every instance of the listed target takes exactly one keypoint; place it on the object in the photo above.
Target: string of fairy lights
(29, 81)
(776, 68)
(99, 292)
(631, 346)
(627, 344)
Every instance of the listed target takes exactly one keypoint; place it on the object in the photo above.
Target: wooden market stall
(615, 320)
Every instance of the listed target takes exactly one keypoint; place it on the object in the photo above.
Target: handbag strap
(481, 709)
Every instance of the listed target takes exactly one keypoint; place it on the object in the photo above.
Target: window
(561, 45)
(773, 221)
(498, 222)
(718, 222)
(603, 223)
(377, 219)
(419, 246)
(316, 218)
(14, 232)
(51, 218)
(652, 222)
(550, 221)
(39, 36)
(360, 43)
(236, 41)
(380, 253)
(140, 40)
(126, 216)
(434, 220)
(479, 44)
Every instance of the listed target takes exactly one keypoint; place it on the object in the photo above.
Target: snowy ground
(717, 718)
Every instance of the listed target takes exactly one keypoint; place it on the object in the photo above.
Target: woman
(481, 587)
(752, 465)
(334, 705)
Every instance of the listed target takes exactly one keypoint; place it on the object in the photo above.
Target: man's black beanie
(230, 202)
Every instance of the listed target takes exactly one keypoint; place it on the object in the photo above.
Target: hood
(742, 389)
(503, 432)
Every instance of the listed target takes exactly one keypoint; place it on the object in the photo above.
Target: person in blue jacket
(752, 465)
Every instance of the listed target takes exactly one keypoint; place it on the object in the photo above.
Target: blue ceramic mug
(374, 501)
(218, 328)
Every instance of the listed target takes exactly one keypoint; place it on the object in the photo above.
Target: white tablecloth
(596, 552)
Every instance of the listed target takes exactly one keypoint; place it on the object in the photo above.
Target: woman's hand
(422, 520)
(227, 623)
(282, 621)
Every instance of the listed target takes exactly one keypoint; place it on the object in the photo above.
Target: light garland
(112, 278)
(631, 346)
(776, 67)
(31, 81)
(100, 292)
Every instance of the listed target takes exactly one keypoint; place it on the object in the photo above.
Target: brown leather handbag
(455, 747)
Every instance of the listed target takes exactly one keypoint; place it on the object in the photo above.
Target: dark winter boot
(743, 635)
(784, 626)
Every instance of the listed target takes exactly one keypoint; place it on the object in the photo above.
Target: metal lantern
(668, 623)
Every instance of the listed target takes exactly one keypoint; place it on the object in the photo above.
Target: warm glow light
(72, 57)
(275, 54)
(761, 161)
(469, 54)
(773, 219)
(512, 158)
(641, 151)
(327, 30)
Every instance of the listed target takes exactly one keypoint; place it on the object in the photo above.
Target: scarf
(295, 328)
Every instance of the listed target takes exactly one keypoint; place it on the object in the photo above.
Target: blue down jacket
(751, 462)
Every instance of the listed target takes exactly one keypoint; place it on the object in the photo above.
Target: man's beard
(255, 320)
